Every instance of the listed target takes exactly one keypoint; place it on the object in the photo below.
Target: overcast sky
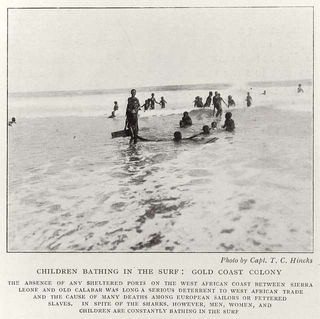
(109, 48)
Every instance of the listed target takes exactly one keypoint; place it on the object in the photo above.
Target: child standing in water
(200, 103)
(218, 106)
(146, 105)
(208, 100)
(215, 102)
(249, 99)
(163, 102)
(196, 101)
(153, 101)
(231, 102)
(229, 123)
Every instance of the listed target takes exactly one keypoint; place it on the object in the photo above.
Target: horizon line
(171, 87)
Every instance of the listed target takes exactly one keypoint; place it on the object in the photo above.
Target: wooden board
(122, 133)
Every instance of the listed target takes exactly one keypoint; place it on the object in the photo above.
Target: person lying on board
(201, 137)
(229, 123)
(186, 120)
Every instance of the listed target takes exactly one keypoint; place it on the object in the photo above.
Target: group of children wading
(133, 107)
(216, 100)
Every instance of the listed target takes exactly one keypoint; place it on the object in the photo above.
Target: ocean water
(73, 188)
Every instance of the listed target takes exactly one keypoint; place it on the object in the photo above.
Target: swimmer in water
(229, 123)
(177, 136)
(213, 125)
(13, 121)
(206, 130)
(186, 120)
(300, 89)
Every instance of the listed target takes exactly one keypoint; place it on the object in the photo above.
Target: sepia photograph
(172, 129)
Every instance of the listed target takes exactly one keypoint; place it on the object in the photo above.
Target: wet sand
(72, 188)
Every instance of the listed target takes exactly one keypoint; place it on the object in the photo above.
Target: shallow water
(73, 188)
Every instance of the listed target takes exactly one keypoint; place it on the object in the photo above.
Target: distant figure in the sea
(163, 102)
(153, 101)
(229, 123)
(264, 92)
(112, 115)
(115, 107)
(13, 121)
(186, 120)
(300, 89)
(132, 116)
(208, 100)
(231, 102)
(248, 99)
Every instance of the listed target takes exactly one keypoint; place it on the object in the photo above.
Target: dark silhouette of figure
(163, 102)
(229, 123)
(300, 89)
(13, 121)
(132, 116)
(231, 101)
(249, 99)
(186, 120)
(208, 100)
